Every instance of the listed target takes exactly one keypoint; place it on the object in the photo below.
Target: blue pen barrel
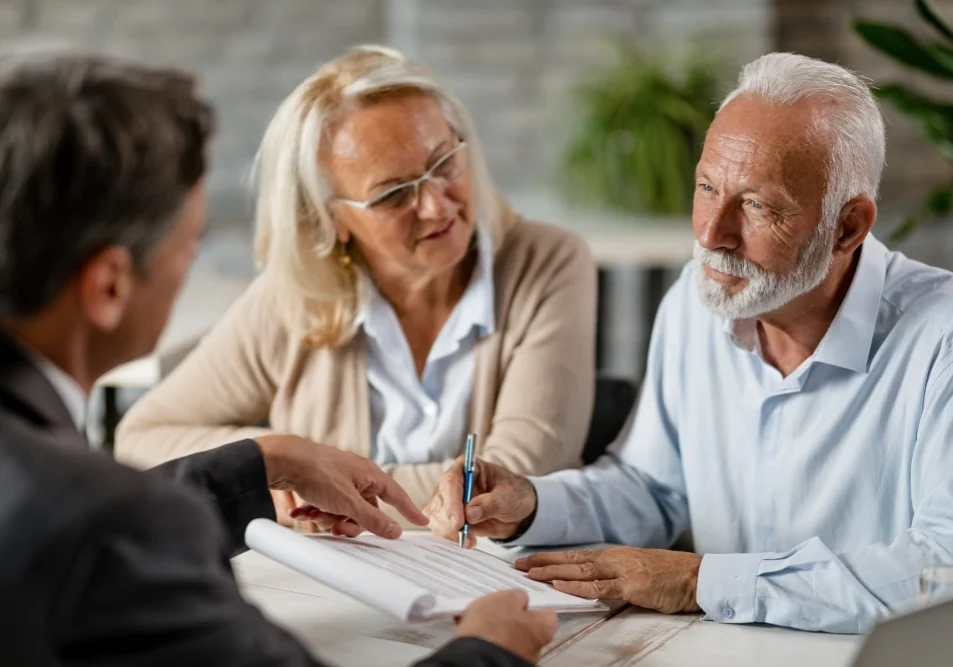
(469, 466)
(468, 491)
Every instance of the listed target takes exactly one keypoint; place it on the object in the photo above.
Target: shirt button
(430, 409)
(728, 612)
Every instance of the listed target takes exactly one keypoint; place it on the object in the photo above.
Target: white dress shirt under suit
(66, 386)
(816, 498)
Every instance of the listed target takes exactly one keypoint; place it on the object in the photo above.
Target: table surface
(343, 631)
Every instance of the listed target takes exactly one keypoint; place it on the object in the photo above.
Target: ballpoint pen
(469, 465)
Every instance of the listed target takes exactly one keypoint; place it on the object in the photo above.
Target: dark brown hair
(94, 152)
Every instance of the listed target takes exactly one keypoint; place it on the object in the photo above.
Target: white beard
(765, 292)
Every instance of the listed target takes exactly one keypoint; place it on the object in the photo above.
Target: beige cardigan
(533, 383)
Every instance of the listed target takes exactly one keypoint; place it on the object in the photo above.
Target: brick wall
(514, 62)
(511, 61)
(248, 53)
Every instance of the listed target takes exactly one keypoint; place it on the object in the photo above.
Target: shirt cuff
(551, 514)
(726, 587)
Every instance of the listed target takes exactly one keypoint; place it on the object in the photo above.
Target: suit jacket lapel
(27, 392)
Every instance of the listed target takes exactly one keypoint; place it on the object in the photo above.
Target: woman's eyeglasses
(402, 198)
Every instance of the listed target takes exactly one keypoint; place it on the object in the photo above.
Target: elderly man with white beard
(796, 411)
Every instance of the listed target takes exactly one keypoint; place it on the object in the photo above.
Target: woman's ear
(340, 231)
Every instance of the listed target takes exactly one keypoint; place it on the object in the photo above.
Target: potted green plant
(638, 135)
(935, 58)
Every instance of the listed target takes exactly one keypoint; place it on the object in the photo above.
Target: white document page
(312, 557)
(417, 577)
(454, 577)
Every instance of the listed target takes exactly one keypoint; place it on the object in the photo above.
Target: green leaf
(942, 54)
(939, 202)
(928, 15)
(902, 47)
(638, 135)
(935, 117)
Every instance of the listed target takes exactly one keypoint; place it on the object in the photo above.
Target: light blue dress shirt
(424, 419)
(816, 498)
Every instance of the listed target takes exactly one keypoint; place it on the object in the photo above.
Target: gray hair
(94, 152)
(852, 121)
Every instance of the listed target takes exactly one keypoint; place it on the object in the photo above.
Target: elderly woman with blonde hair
(401, 304)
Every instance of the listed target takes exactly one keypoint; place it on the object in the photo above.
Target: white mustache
(725, 262)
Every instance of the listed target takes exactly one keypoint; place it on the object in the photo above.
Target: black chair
(615, 398)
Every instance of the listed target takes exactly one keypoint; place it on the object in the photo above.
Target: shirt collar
(850, 335)
(475, 309)
(847, 342)
(66, 386)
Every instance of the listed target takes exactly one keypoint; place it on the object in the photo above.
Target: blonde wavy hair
(295, 238)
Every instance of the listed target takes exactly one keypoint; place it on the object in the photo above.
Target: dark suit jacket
(103, 565)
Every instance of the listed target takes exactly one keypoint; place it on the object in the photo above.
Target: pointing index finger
(371, 518)
(394, 495)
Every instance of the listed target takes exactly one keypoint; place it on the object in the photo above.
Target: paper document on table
(418, 577)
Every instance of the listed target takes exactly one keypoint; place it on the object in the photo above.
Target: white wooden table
(342, 631)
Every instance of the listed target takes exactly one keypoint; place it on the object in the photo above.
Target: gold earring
(344, 257)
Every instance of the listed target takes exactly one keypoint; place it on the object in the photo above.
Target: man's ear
(854, 223)
(104, 285)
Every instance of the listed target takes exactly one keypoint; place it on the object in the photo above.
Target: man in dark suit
(101, 209)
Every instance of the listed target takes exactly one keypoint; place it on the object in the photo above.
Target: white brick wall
(248, 54)
(515, 62)
(512, 61)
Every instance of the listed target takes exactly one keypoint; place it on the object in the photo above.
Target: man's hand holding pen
(500, 504)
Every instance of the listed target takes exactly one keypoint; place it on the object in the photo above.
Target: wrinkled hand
(503, 619)
(341, 488)
(501, 502)
(650, 578)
